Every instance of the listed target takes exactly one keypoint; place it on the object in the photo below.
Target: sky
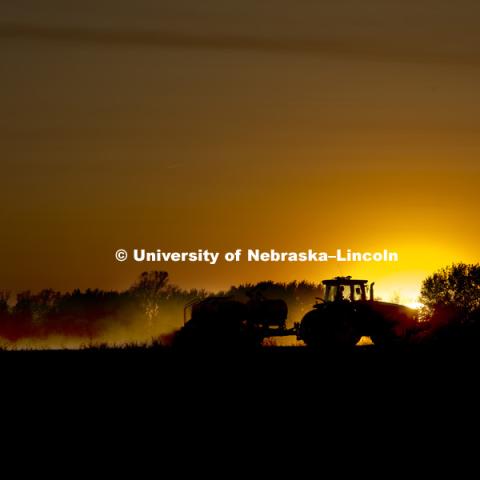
(224, 124)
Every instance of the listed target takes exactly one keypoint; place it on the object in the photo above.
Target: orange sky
(223, 125)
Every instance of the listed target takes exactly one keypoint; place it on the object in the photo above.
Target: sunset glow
(291, 127)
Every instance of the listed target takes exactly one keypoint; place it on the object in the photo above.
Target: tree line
(153, 306)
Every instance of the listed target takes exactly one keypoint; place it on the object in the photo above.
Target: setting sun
(414, 305)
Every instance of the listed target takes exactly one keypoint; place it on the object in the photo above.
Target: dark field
(161, 362)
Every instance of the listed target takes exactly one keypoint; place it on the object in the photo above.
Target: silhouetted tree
(456, 286)
(148, 288)
(452, 302)
(4, 299)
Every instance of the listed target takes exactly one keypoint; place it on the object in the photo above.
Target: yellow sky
(250, 125)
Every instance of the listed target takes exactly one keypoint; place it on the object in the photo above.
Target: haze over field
(220, 125)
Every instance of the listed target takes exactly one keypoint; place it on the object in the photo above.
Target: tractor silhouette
(344, 315)
(338, 320)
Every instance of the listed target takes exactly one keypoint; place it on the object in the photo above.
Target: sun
(414, 305)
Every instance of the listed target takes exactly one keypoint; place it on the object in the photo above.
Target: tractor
(338, 320)
(344, 315)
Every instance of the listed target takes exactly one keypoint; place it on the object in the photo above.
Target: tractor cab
(346, 289)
